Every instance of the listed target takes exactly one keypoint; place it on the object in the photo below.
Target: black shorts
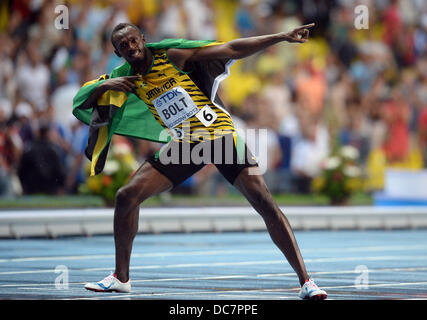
(178, 161)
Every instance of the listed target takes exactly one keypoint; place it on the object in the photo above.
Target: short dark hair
(121, 26)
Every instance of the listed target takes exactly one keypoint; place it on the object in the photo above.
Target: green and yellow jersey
(169, 92)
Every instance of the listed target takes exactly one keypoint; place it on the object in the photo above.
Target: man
(40, 168)
(183, 100)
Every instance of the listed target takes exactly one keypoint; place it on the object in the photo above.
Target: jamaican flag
(125, 114)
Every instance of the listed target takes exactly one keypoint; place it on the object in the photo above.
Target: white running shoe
(109, 284)
(311, 291)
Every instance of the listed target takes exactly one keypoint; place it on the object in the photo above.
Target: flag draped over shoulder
(125, 114)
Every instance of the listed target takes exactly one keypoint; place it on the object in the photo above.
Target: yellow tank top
(179, 105)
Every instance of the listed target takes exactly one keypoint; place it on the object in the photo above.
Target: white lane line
(379, 270)
(228, 264)
(377, 285)
(41, 289)
(135, 255)
(215, 252)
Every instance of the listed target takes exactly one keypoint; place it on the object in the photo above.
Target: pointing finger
(306, 26)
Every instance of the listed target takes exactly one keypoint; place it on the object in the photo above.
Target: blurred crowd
(345, 86)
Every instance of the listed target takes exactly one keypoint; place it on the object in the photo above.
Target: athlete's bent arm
(124, 84)
(238, 48)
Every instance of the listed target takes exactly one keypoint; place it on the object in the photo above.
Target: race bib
(206, 116)
(175, 106)
(177, 133)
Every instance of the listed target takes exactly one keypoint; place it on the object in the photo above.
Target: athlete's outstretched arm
(238, 48)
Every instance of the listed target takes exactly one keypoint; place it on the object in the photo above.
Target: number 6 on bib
(206, 116)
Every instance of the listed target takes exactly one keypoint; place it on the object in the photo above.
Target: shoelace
(310, 285)
(108, 279)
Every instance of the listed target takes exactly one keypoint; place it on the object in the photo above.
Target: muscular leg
(145, 183)
(255, 190)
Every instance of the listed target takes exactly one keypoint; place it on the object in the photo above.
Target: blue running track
(220, 266)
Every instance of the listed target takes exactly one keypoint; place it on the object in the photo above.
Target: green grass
(167, 200)
(239, 200)
(51, 202)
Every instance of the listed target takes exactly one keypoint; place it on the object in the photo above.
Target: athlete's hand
(124, 84)
(300, 34)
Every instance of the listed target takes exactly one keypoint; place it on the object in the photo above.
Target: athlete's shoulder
(121, 71)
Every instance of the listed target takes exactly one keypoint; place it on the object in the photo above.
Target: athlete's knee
(130, 196)
(123, 194)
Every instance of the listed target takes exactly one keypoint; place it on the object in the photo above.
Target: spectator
(308, 151)
(75, 164)
(33, 78)
(422, 133)
(202, 24)
(173, 20)
(10, 150)
(6, 66)
(246, 21)
(40, 169)
(311, 89)
(355, 132)
(396, 116)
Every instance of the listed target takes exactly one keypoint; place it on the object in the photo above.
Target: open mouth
(135, 54)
